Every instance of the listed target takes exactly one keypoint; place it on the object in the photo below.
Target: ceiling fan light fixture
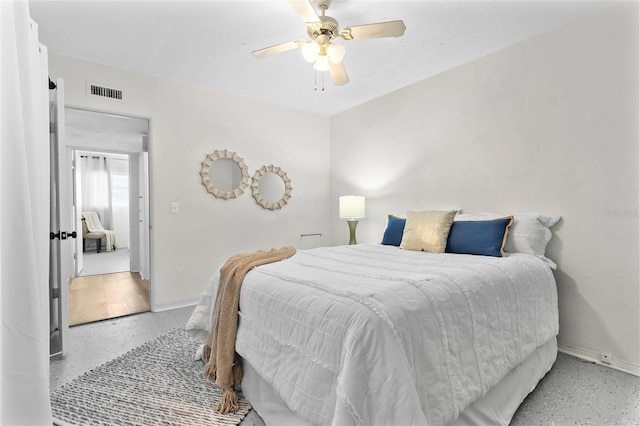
(320, 50)
(336, 52)
(321, 63)
(310, 51)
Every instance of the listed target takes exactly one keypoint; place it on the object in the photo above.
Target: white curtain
(24, 220)
(95, 184)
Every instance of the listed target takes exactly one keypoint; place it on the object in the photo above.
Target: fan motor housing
(327, 26)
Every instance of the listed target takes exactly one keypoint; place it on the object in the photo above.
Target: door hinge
(55, 293)
(52, 128)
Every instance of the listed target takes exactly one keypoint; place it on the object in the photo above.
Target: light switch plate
(175, 207)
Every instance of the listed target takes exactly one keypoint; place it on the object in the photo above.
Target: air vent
(106, 92)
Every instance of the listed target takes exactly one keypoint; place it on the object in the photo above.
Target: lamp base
(352, 231)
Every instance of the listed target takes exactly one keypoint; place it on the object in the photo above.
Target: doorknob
(65, 235)
(62, 235)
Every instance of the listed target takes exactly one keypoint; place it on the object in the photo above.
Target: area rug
(156, 383)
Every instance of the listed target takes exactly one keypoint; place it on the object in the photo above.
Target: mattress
(372, 334)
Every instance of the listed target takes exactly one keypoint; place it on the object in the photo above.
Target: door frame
(77, 153)
(62, 254)
(145, 156)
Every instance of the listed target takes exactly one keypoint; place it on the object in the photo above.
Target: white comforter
(372, 334)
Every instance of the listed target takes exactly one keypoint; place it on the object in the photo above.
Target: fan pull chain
(315, 81)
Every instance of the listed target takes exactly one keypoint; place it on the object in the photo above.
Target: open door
(62, 247)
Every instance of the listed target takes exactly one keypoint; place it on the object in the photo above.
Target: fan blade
(278, 48)
(338, 73)
(380, 29)
(305, 10)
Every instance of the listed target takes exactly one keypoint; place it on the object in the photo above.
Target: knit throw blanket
(222, 362)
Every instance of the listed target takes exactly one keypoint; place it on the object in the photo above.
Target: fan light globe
(310, 51)
(322, 63)
(336, 52)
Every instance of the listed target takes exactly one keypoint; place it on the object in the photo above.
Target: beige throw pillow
(427, 231)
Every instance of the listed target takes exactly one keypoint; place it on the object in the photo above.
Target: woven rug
(156, 383)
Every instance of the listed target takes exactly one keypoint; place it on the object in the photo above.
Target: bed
(374, 334)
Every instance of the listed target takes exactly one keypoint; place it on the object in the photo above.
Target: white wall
(551, 125)
(187, 123)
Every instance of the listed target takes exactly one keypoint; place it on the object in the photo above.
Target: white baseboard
(590, 355)
(169, 306)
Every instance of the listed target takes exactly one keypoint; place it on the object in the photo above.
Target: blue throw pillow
(393, 234)
(482, 237)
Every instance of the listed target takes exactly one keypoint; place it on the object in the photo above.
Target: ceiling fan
(320, 49)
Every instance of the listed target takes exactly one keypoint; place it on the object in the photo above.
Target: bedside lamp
(352, 209)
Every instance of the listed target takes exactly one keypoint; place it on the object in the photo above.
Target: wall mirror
(224, 174)
(271, 187)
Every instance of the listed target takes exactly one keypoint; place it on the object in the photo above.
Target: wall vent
(106, 92)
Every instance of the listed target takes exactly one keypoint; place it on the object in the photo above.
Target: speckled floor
(577, 392)
(573, 392)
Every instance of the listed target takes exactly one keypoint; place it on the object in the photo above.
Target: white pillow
(530, 232)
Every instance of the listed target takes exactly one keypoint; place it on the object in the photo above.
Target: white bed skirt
(496, 407)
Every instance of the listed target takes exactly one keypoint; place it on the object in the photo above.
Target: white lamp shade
(336, 52)
(322, 63)
(310, 51)
(351, 207)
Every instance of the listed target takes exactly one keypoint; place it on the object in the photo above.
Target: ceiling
(209, 43)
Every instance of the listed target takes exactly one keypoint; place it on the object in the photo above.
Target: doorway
(110, 193)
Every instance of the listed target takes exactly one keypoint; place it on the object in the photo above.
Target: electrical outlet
(605, 358)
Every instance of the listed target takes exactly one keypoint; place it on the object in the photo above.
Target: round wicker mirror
(271, 187)
(224, 174)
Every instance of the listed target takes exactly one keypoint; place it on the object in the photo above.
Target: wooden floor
(99, 297)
